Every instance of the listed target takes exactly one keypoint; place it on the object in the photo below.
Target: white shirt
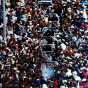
(44, 86)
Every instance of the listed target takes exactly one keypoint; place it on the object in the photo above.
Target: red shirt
(56, 84)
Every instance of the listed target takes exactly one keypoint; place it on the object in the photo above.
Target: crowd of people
(46, 46)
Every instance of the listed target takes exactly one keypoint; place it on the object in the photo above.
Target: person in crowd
(47, 46)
